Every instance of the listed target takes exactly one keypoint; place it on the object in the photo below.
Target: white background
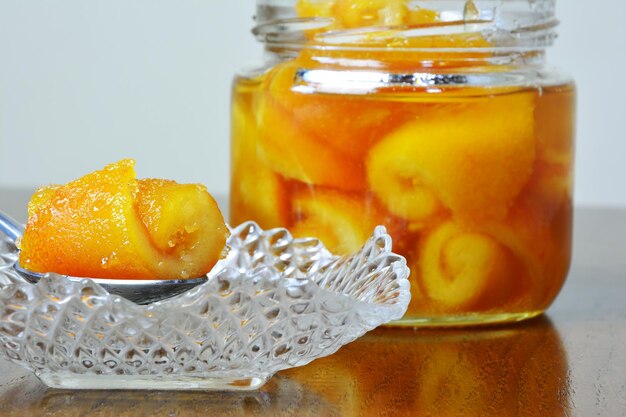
(84, 83)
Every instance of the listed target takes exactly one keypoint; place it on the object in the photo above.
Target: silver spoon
(136, 290)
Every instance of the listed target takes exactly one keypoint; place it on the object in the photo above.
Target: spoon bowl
(140, 292)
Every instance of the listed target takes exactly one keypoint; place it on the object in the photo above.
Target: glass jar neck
(316, 71)
(407, 59)
(430, 33)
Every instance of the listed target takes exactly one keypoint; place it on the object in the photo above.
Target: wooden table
(570, 362)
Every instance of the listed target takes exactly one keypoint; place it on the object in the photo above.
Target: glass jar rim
(507, 26)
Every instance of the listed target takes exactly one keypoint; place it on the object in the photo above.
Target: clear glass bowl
(274, 303)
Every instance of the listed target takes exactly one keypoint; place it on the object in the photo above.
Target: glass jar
(437, 119)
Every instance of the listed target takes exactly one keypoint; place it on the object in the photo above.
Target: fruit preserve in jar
(437, 119)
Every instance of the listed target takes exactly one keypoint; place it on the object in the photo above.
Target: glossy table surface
(569, 362)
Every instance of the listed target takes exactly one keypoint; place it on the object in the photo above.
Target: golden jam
(472, 180)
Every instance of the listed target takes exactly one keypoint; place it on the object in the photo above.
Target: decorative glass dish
(273, 303)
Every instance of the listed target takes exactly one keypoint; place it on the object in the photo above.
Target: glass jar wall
(439, 120)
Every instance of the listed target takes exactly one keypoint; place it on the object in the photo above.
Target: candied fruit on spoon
(108, 224)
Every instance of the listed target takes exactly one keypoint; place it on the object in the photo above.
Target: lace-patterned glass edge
(273, 303)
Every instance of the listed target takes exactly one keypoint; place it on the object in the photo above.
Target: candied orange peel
(108, 224)
(474, 182)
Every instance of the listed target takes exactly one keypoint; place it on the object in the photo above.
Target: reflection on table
(514, 370)
(498, 371)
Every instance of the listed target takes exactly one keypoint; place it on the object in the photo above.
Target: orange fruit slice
(291, 146)
(471, 157)
(108, 224)
(459, 267)
(341, 222)
(258, 193)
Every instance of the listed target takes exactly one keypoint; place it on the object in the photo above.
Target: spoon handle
(10, 227)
